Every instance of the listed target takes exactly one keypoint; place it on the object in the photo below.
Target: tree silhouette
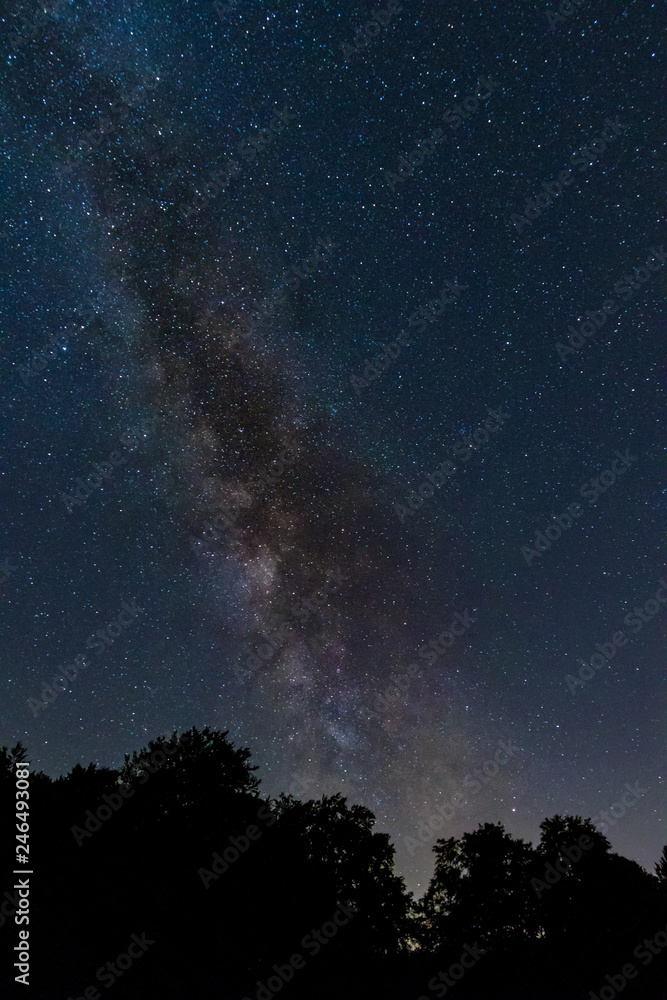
(178, 844)
(564, 831)
(8, 758)
(196, 763)
(352, 863)
(661, 867)
(480, 890)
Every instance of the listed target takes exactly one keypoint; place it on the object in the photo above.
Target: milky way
(280, 249)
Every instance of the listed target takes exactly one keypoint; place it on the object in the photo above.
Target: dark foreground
(173, 878)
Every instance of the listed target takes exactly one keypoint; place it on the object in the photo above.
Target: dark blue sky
(161, 282)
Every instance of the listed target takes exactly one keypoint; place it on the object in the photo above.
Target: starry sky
(216, 217)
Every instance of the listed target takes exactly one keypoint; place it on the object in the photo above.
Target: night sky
(214, 352)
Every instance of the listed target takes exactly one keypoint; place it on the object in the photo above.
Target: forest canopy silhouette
(176, 864)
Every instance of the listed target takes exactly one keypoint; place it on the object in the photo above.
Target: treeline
(173, 877)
